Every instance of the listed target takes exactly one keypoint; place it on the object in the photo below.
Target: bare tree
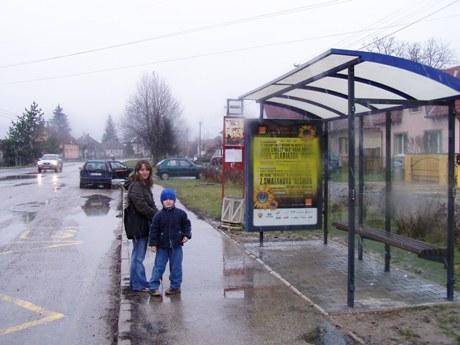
(433, 52)
(152, 117)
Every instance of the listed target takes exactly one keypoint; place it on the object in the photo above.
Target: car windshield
(50, 157)
(95, 166)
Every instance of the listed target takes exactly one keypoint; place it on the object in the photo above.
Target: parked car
(50, 162)
(96, 173)
(119, 169)
(178, 167)
(101, 172)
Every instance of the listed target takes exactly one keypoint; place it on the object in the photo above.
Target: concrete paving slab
(320, 272)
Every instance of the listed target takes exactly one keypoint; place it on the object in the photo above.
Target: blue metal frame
(401, 63)
(407, 101)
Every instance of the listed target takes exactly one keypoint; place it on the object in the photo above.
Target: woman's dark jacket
(169, 226)
(140, 196)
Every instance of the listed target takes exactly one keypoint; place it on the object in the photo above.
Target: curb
(124, 314)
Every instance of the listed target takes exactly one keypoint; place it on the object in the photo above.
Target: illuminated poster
(285, 176)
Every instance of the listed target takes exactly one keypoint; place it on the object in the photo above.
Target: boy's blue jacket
(168, 228)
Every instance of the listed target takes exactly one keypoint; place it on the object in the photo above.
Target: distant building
(71, 151)
(139, 149)
(90, 148)
(113, 149)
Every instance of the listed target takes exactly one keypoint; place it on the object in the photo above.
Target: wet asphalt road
(58, 259)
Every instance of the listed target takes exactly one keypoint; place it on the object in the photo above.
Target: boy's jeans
(163, 255)
(137, 279)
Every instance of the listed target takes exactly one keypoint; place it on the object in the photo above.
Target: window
(184, 164)
(343, 146)
(116, 165)
(414, 110)
(172, 163)
(432, 141)
(400, 145)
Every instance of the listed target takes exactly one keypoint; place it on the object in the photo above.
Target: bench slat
(422, 249)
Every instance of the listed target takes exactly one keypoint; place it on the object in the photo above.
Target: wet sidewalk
(282, 293)
(320, 272)
(228, 297)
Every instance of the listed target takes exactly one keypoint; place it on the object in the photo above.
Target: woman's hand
(184, 239)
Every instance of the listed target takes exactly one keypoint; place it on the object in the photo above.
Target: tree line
(152, 118)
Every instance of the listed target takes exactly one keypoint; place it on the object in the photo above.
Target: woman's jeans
(163, 255)
(137, 279)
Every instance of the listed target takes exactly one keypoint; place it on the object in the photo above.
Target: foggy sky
(203, 61)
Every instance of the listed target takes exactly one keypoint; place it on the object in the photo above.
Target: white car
(50, 162)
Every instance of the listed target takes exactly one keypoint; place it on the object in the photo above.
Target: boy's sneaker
(172, 291)
(155, 293)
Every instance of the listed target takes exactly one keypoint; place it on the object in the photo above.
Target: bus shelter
(346, 84)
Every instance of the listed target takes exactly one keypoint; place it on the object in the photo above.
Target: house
(90, 148)
(420, 130)
(71, 149)
(113, 149)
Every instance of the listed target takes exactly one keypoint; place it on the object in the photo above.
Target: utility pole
(199, 140)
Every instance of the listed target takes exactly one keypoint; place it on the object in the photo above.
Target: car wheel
(164, 176)
(200, 176)
(82, 185)
(39, 170)
(108, 186)
(56, 170)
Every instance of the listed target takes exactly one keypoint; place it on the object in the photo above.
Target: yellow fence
(429, 168)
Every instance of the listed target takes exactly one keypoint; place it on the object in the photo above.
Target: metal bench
(422, 249)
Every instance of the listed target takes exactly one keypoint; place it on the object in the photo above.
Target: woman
(140, 196)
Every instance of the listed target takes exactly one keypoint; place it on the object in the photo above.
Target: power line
(185, 32)
(410, 24)
(396, 16)
(221, 52)
(189, 57)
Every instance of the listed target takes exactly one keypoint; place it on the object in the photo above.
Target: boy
(169, 231)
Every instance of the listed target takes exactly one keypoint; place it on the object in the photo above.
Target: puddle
(17, 177)
(326, 334)
(96, 205)
(32, 204)
(26, 216)
(23, 184)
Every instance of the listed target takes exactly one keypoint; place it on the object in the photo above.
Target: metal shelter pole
(387, 187)
(261, 233)
(351, 187)
(361, 185)
(326, 178)
(451, 204)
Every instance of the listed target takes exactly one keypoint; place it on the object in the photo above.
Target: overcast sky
(207, 51)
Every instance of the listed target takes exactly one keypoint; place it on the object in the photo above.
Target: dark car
(101, 173)
(96, 173)
(178, 167)
(119, 169)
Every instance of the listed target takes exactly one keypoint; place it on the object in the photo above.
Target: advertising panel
(284, 175)
(233, 131)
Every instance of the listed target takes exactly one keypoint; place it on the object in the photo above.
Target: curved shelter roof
(381, 83)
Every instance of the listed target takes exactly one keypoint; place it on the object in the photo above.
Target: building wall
(71, 151)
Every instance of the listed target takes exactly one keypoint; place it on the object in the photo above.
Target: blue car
(96, 173)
